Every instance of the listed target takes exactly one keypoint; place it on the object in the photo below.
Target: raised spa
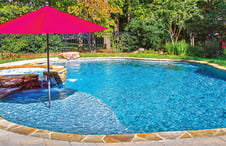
(125, 96)
(18, 71)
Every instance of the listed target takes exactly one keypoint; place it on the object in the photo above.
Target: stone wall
(30, 81)
(11, 84)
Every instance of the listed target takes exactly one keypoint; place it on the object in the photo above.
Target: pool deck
(12, 139)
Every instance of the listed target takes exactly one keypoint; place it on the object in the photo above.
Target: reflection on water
(174, 67)
(211, 72)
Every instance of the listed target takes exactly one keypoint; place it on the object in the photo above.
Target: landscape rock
(69, 55)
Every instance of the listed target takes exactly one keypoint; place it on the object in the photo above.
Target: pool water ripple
(125, 96)
(77, 113)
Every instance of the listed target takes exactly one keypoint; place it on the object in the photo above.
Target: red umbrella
(48, 20)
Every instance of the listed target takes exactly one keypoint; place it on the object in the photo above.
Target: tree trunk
(116, 29)
(171, 33)
(178, 33)
(107, 42)
(192, 39)
(80, 41)
(129, 12)
(93, 43)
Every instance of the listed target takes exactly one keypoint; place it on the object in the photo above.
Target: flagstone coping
(9, 126)
(139, 137)
(154, 59)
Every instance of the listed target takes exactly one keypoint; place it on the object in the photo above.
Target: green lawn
(220, 61)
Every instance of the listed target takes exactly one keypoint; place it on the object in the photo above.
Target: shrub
(212, 47)
(143, 34)
(177, 48)
(223, 46)
(25, 43)
(194, 51)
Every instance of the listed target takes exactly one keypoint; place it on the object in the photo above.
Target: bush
(25, 43)
(177, 48)
(212, 47)
(223, 46)
(194, 51)
(146, 34)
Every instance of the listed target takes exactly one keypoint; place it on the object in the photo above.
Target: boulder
(69, 55)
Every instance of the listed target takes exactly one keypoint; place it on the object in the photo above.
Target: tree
(144, 33)
(97, 11)
(174, 14)
(210, 21)
(23, 43)
(9, 12)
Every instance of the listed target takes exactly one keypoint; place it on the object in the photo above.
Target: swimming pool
(125, 96)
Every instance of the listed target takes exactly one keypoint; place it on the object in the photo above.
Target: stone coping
(9, 126)
(154, 59)
(139, 137)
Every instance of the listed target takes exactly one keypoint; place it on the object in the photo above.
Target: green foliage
(177, 48)
(119, 42)
(14, 43)
(174, 14)
(25, 43)
(97, 11)
(9, 12)
(194, 51)
(210, 20)
(148, 23)
(211, 48)
(144, 34)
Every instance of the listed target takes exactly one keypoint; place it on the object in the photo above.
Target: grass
(20, 59)
(220, 61)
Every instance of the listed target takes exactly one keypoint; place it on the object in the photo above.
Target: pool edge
(20, 129)
(159, 59)
(138, 137)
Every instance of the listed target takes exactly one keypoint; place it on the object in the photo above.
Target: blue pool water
(125, 96)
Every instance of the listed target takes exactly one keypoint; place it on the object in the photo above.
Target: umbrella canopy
(48, 20)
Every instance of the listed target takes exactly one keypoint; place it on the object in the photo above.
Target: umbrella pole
(48, 76)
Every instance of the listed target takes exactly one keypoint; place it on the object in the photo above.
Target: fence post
(90, 43)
